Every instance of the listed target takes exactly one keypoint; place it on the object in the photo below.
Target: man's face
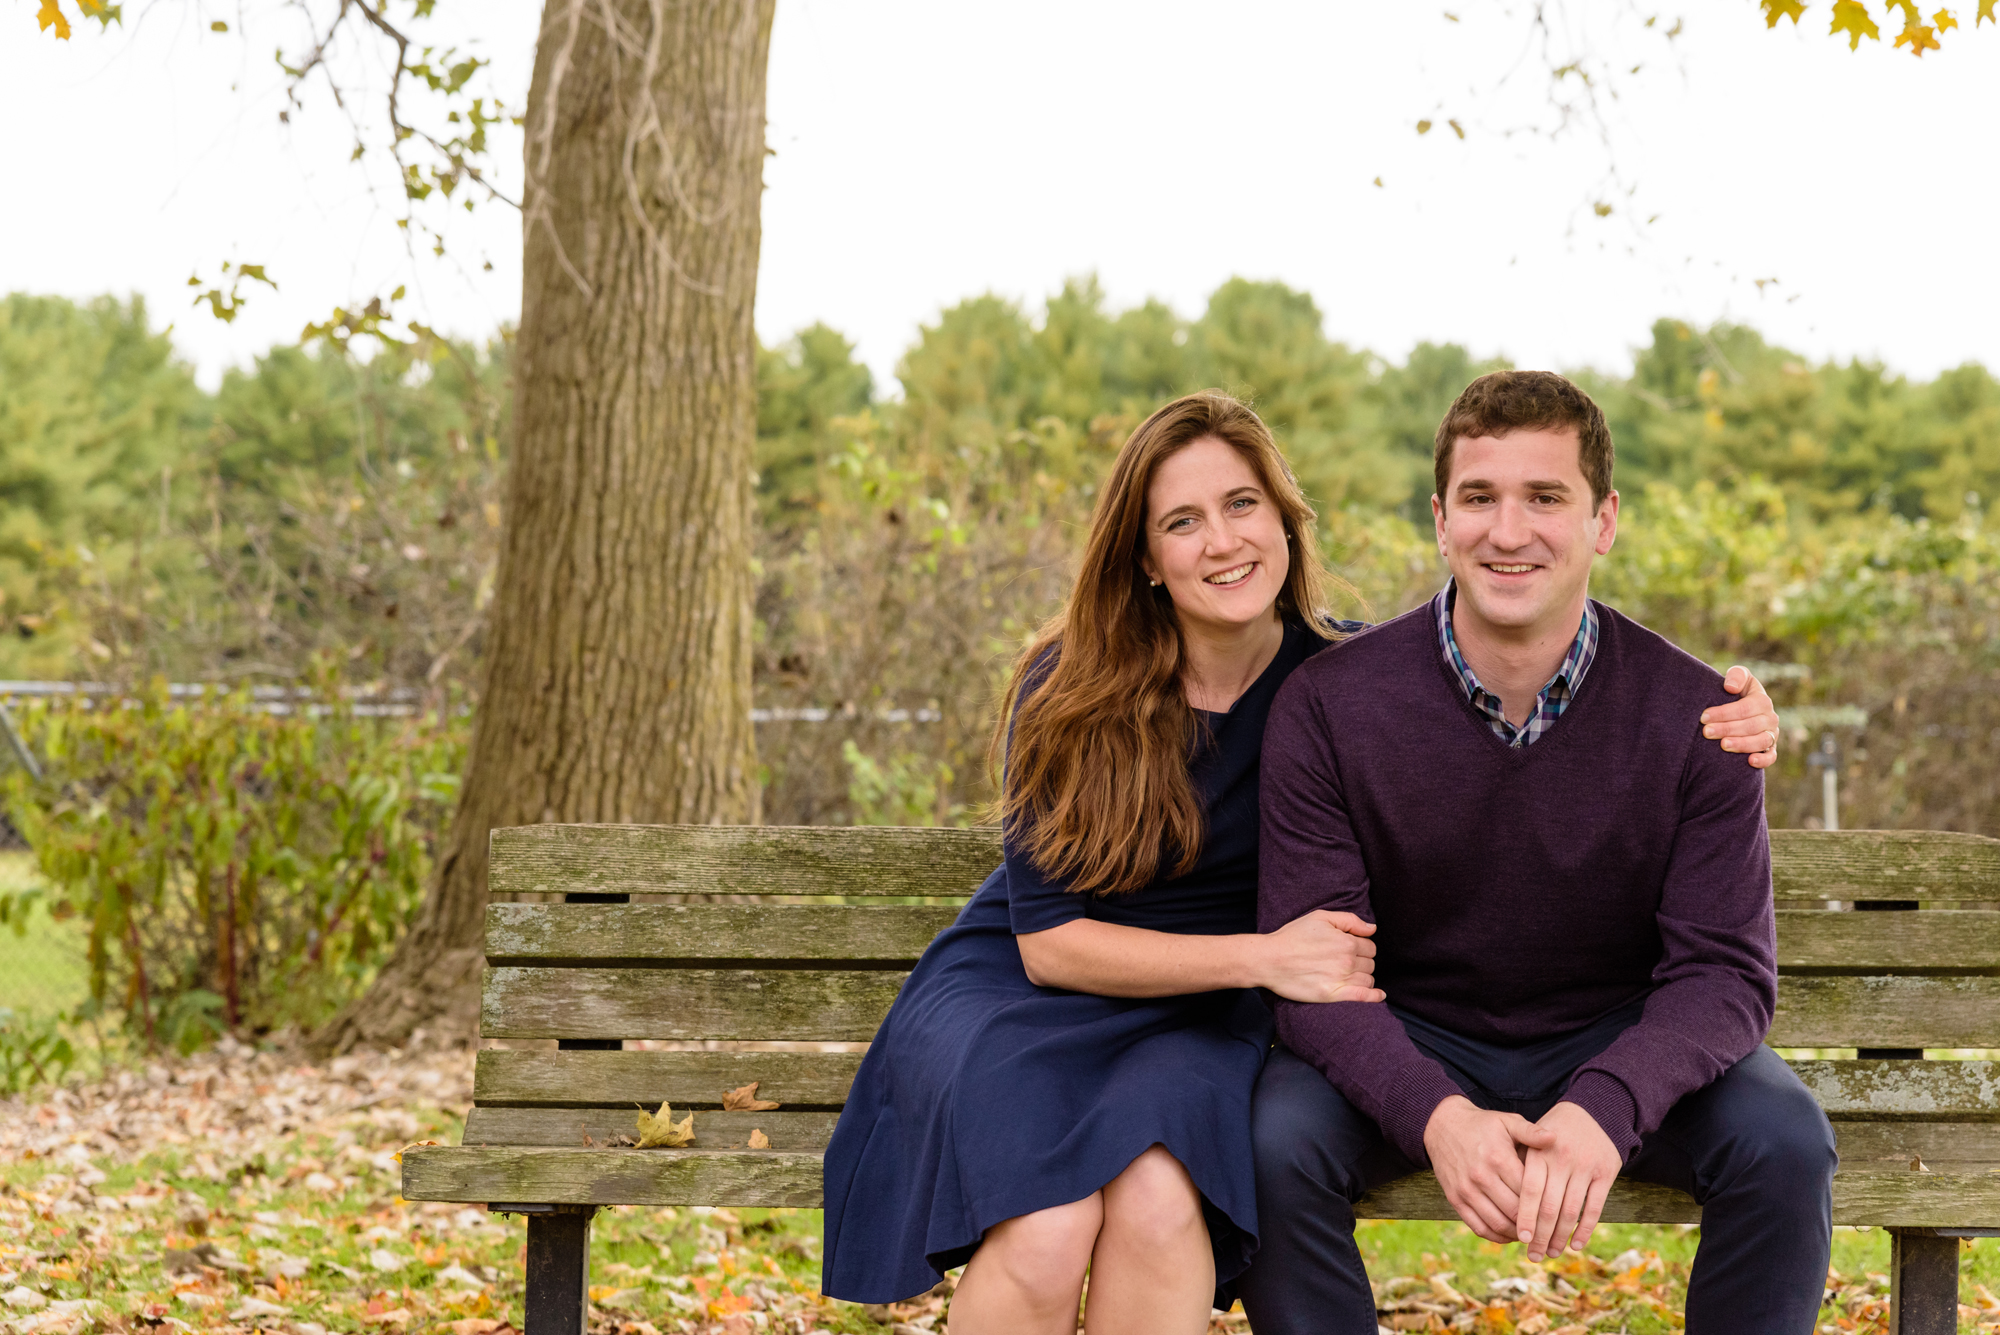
(1518, 530)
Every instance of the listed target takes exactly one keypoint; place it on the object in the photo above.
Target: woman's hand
(1323, 956)
(1748, 725)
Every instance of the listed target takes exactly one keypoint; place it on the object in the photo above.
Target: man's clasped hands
(1541, 1183)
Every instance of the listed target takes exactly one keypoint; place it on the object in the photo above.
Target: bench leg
(1923, 1278)
(558, 1298)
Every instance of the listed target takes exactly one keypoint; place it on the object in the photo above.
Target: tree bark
(616, 678)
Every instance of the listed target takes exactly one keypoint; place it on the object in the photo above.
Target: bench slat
(1888, 1198)
(841, 1006)
(685, 1079)
(1884, 864)
(742, 859)
(1933, 1142)
(713, 1130)
(1859, 1142)
(1875, 1090)
(758, 1178)
(836, 933)
(881, 860)
(807, 1005)
(1904, 1090)
(1887, 1012)
(1934, 940)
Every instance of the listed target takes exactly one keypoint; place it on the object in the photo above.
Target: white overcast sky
(927, 152)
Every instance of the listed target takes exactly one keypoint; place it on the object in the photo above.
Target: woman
(1064, 1083)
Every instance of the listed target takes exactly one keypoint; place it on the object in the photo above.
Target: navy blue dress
(984, 1096)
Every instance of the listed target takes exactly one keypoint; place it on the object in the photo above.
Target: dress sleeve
(1035, 902)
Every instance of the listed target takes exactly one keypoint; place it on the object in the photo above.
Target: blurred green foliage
(1827, 518)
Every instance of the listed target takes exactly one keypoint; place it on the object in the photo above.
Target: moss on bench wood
(1888, 1012)
(1904, 1090)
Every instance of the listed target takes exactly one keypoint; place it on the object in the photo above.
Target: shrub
(242, 863)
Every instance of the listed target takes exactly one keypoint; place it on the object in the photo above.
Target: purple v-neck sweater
(1521, 892)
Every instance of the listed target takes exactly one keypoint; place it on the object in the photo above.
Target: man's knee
(1307, 1139)
(1774, 1131)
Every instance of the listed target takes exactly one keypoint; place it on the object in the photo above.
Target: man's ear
(1607, 524)
(1437, 518)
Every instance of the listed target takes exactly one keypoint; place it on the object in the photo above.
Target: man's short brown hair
(1505, 401)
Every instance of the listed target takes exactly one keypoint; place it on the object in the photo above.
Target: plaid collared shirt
(1553, 698)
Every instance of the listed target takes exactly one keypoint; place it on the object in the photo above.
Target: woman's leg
(1153, 1270)
(1027, 1276)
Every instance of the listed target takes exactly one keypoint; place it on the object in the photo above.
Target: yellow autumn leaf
(660, 1131)
(1782, 9)
(744, 1099)
(51, 16)
(1986, 14)
(1851, 17)
(758, 1140)
(1944, 19)
(1919, 37)
(1423, 127)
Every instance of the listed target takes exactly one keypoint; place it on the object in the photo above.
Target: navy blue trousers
(1753, 1147)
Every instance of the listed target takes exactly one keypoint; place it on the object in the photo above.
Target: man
(1573, 904)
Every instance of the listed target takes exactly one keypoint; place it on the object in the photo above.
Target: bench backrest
(840, 914)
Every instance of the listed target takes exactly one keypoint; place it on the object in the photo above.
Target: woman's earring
(1155, 583)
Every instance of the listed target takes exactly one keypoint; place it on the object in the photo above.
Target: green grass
(43, 970)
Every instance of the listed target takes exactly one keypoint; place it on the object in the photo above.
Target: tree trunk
(616, 676)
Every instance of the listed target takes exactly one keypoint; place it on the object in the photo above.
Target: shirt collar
(1576, 663)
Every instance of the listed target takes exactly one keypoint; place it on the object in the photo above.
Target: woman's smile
(1233, 575)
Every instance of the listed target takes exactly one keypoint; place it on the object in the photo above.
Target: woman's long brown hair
(1095, 784)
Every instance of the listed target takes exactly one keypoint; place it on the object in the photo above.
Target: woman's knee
(1153, 1202)
(1045, 1252)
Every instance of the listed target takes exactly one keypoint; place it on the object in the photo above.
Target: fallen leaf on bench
(660, 1131)
(758, 1140)
(746, 1100)
(1917, 1165)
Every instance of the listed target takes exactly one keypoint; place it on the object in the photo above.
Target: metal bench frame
(805, 963)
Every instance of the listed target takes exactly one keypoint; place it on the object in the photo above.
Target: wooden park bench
(845, 912)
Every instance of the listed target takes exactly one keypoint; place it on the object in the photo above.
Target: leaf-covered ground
(245, 1191)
